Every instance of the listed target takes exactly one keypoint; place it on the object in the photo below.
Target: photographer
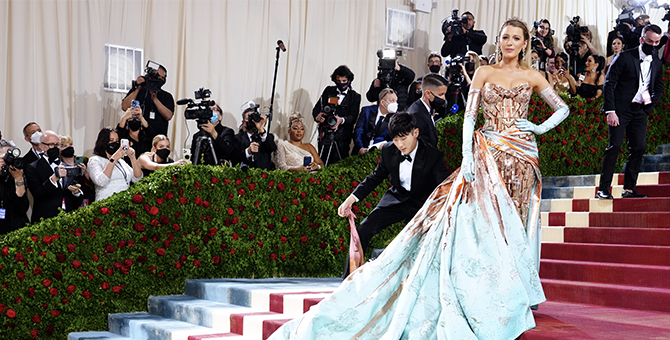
(13, 197)
(157, 105)
(543, 42)
(624, 31)
(135, 128)
(68, 158)
(459, 74)
(336, 112)
(397, 77)
(460, 37)
(434, 66)
(32, 133)
(223, 140)
(46, 179)
(578, 46)
(256, 144)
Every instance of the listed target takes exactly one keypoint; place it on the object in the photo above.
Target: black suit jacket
(225, 146)
(428, 172)
(424, 121)
(401, 80)
(623, 78)
(471, 41)
(263, 156)
(348, 109)
(47, 198)
(30, 156)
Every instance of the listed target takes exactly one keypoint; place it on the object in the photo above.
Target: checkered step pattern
(607, 252)
(241, 309)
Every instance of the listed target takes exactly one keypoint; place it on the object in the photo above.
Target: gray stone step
(96, 336)
(144, 326)
(568, 181)
(663, 149)
(195, 311)
(652, 167)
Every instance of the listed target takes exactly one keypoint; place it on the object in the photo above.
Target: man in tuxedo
(256, 144)
(223, 140)
(372, 125)
(45, 181)
(434, 88)
(335, 130)
(633, 87)
(414, 169)
(32, 133)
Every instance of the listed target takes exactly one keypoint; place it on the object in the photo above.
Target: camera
(574, 32)
(73, 171)
(254, 117)
(386, 66)
(200, 111)
(454, 71)
(152, 80)
(666, 17)
(12, 159)
(456, 23)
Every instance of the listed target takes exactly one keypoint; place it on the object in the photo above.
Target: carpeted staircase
(605, 269)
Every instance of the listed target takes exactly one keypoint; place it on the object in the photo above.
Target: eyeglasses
(52, 145)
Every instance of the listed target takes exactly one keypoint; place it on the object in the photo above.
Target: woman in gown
(290, 154)
(466, 266)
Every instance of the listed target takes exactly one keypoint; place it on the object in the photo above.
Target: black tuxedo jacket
(225, 145)
(623, 79)
(348, 109)
(264, 154)
(30, 156)
(47, 198)
(428, 172)
(424, 121)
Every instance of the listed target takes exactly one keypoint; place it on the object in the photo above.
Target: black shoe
(632, 194)
(604, 195)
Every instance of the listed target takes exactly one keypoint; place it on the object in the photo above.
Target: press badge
(646, 98)
(3, 213)
(152, 115)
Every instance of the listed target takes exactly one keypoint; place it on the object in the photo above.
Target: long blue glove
(560, 113)
(468, 165)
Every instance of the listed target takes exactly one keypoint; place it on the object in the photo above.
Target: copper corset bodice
(501, 107)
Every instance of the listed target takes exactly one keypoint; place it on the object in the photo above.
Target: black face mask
(437, 102)
(113, 147)
(342, 86)
(648, 49)
(67, 152)
(134, 124)
(53, 154)
(163, 154)
(469, 67)
(434, 68)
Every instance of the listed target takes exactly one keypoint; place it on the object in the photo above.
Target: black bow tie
(405, 158)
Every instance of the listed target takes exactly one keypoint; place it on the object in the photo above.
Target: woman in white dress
(291, 154)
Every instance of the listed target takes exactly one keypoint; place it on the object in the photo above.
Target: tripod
(328, 139)
(198, 145)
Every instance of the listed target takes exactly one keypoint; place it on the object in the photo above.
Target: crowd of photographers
(50, 176)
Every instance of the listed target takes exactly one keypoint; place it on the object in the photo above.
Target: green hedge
(206, 222)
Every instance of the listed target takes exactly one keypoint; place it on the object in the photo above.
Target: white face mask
(35, 138)
(392, 108)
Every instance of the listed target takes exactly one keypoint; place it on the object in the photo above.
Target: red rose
(105, 285)
(18, 257)
(76, 264)
(183, 200)
(168, 195)
(283, 239)
(241, 192)
(232, 251)
(31, 291)
(132, 214)
(197, 186)
(206, 204)
(86, 294)
(5, 251)
(215, 180)
(141, 259)
(284, 219)
(283, 257)
(36, 319)
(153, 211)
(70, 289)
(216, 259)
(21, 276)
(281, 186)
(271, 226)
(235, 236)
(323, 245)
(97, 222)
(304, 239)
(260, 244)
(46, 283)
(70, 248)
(139, 227)
(230, 211)
(235, 220)
(154, 222)
(104, 210)
(177, 265)
(11, 313)
(303, 195)
(116, 289)
(137, 199)
(335, 250)
(53, 291)
(147, 207)
(160, 201)
(175, 227)
(196, 263)
(58, 276)
(273, 256)
(160, 251)
(298, 218)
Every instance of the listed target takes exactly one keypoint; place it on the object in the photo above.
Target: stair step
(663, 149)
(651, 190)
(195, 311)
(662, 158)
(597, 205)
(96, 336)
(610, 253)
(603, 294)
(612, 273)
(644, 178)
(153, 327)
(664, 166)
(607, 220)
(637, 236)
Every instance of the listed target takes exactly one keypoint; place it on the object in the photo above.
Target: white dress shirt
(406, 169)
(645, 75)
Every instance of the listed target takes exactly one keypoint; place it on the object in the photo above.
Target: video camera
(574, 32)
(456, 23)
(454, 71)
(254, 117)
(666, 17)
(199, 111)
(12, 159)
(386, 66)
(329, 109)
(626, 16)
(152, 80)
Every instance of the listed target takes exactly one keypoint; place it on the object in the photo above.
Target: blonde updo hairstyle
(524, 58)
(295, 117)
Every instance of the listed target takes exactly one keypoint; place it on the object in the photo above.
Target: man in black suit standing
(336, 112)
(633, 87)
(434, 88)
(32, 133)
(414, 169)
(45, 181)
(256, 144)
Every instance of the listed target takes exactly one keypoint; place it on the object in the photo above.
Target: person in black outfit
(434, 94)
(372, 125)
(135, 128)
(633, 87)
(32, 133)
(434, 66)
(226, 146)
(470, 40)
(45, 179)
(256, 144)
(157, 106)
(402, 78)
(414, 169)
(335, 133)
(590, 84)
(13, 197)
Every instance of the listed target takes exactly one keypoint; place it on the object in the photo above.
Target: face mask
(648, 49)
(67, 152)
(392, 108)
(163, 154)
(214, 119)
(35, 138)
(434, 68)
(53, 154)
(112, 147)
(469, 67)
(437, 102)
(342, 86)
(134, 124)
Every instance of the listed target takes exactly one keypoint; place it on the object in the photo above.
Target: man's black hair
(401, 124)
(469, 13)
(433, 80)
(342, 71)
(654, 28)
(25, 134)
(161, 67)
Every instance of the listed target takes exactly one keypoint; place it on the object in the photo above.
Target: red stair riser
(581, 204)
(611, 273)
(630, 219)
(650, 255)
(270, 326)
(277, 300)
(557, 219)
(309, 302)
(642, 204)
(237, 321)
(637, 236)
